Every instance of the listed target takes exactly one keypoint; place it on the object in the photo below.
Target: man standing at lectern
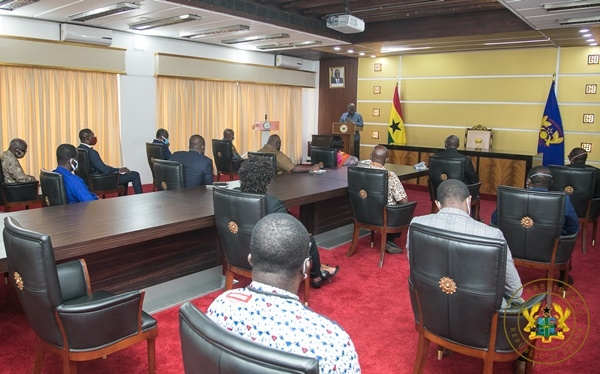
(352, 117)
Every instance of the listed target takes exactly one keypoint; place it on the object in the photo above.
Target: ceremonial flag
(551, 141)
(396, 132)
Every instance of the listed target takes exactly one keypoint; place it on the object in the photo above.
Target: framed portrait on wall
(337, 77)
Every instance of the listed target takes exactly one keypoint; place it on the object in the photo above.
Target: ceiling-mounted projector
(346, 23)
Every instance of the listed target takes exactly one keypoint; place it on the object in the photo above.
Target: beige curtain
(47, 107)
(190, 106)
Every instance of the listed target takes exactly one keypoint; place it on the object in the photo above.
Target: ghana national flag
(396, 132)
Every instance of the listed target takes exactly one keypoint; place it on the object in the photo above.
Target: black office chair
(208, 348)
(531, 222)
(168, 175)
(100, 184)
(441, 169)
(579, 184)
(154, 151)
(328, 156)
(53, 188)
(22, 194)
(236, 214)
(368, 192)
(456, 286)
(269, 156)
(223, 156)
(67, 318)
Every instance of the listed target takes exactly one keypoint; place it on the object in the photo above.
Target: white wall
(138, 86)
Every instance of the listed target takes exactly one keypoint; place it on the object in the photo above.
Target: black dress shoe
(392, 247)
(317, 283)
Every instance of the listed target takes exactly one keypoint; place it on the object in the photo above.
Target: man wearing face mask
(284, 163)
(11, 167)
(77, 190)
(162, 138)
(97, 166)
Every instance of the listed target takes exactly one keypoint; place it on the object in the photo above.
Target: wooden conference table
(136, 241)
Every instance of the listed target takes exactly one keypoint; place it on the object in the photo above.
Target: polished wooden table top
(79, 229)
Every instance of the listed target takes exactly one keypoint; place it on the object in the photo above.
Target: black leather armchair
(23, 194)
(223, 156)
(168, 175)
(368, 192)
(441, 169)
(456, 285)
(236, 214)
(269, 156)
(208, 348)
(68, 319)
(531, 222)
(328, 156)
(578, 183)
(154, 151)
(53, 188)
(100, 184)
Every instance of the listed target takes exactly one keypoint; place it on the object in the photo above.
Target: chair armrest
(566, 244)
(474, 190)
(23, 191)
(105, 181)
(511, 319)
(101, 318)
(400, 215)
(73, 279)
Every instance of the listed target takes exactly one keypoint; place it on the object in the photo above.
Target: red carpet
(372, 304)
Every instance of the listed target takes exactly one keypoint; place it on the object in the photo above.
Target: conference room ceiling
(298, 28)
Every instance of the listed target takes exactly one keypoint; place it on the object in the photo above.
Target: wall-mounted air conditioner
(288, 62)
(83, 34)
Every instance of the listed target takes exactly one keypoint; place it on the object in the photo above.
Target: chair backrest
(33, 270)
(209, 348)
(168, 175)
(441, 169)
(578, 183)
(368, 192)
(531, 221)
(223, 155)
(154, 151)
(328, 156)
(84, 169)
(53, 188)
(269, 156)
(456, 282)
(15, 192)
(236, 214)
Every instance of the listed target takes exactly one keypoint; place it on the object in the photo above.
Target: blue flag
(552, 138)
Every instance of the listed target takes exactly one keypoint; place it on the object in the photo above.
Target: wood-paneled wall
(334, 101)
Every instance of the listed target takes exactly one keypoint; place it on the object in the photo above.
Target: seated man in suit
(284, 163)
(77, 190)
(396, 193)
(97, 166)
(256, 174)
(162, 138)
(577, 159)
(451, 145)
(539, 178)
(454, 204)
(269, 311)
(11, 167)
(197, 168)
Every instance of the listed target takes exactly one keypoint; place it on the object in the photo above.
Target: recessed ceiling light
(591, 40)
(519, 42)
(401, 49)
(362, 53)
(373, 56)
(593, 44)
(337, 48)
(256, 38)
(350, 51)
(147, 25)
(213, 31)
(584, 30)
(108, 10)
(14, 4)
(586, 35)
(307, 43)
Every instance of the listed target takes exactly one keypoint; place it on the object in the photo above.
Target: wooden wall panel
(334, 101)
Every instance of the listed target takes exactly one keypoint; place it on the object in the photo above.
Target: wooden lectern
(265, 127)
(346, 130)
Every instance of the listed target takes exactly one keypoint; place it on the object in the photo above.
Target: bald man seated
(284, 163)
(451, 145)
(197, 168)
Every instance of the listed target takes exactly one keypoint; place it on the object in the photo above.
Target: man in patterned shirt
(454, 204)
(270, 313)
(396, 193)
(11, 168)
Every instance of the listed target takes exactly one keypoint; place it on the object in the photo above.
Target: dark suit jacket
(341, 80)
(471, 176)
(197, 168)
(597, 183)
(97, 166)
(167, 150)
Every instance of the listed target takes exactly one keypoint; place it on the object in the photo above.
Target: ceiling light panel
(213, 31)
(14, 4)
(275, 46)
(104, 12)
(257, 38)
(147, 25)
(572, 5)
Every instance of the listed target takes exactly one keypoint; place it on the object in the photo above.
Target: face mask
(93, 140)
(74, 164)
(165, 140)
(19, 153)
